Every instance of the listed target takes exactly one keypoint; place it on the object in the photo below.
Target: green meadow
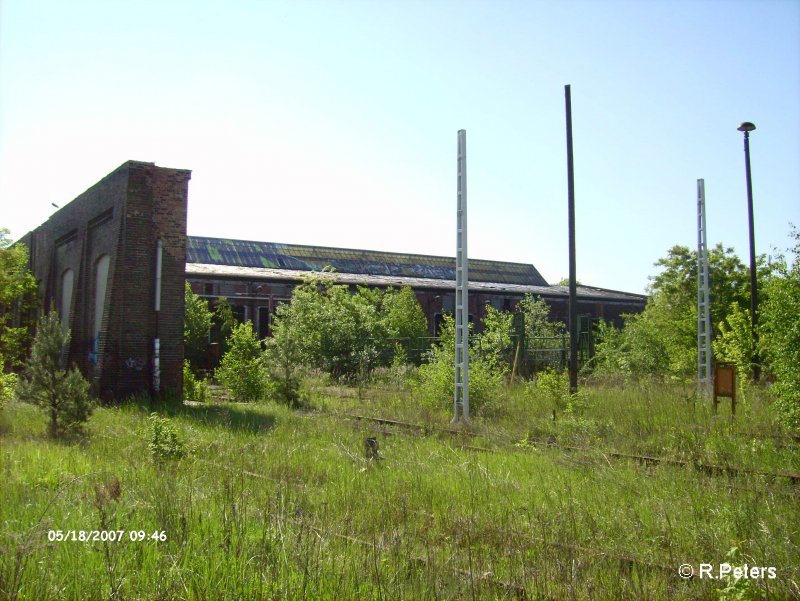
(258, 501)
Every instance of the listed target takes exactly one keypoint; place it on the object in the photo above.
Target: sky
(334, 123)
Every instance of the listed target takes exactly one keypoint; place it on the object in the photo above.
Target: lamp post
(747, 127)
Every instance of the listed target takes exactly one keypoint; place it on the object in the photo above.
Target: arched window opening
(65, 306)
(100, 285)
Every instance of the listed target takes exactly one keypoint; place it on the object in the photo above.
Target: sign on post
(725, 384)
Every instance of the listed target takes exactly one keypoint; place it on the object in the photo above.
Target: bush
(62, 394)
(436, 383)
(8, 383)
(242, 368)
(404, 319)
(734, 342)
(554, 387)
(780, 334)
(164, 442)
(193, 389)
(19, 297)
(284, 357)
(196, 327)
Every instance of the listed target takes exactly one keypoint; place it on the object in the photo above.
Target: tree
(284, 356)
(537, 320)
(62, 393)
(636, 350)
(663, 339)
(224, 321)
(436, 384)
(734, 341)
(242, 368)
(780, 333)
(19, 296)
(495, 342)
(196, 327)
(337, 331)
(404, 319)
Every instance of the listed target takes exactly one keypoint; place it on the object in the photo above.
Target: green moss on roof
(313, 258)
(214, 253)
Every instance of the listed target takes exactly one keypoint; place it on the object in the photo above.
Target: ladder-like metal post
(703, 306)
(461, 395)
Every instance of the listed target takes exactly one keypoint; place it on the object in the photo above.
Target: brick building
(96, 261)
(113, 262)
(255, 277)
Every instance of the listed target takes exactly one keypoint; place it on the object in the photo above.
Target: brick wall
(122, 217)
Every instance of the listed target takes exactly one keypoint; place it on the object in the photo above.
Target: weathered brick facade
(95, 260)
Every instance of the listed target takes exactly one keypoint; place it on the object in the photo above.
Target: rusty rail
(710, 468)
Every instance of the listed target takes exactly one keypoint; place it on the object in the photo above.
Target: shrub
(164, 442)
(334, 330)
(242, 368)
(436, 383)
(404, 319)
(495, 343)
(554, 387)
(734, 342)
(62, 394)
(284, 357)
(193, 388)
(19, 296)
(780, 334)
(196, 327)
(8, 383)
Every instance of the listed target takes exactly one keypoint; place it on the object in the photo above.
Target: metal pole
(573, 288)
(703, 306)
(461, 394)
(156, 341)
(753, 283)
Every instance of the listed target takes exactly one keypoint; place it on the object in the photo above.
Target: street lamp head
(746, 126)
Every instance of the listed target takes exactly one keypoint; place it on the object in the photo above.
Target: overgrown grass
(273, 503)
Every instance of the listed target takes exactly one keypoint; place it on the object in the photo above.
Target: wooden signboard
(725, 384)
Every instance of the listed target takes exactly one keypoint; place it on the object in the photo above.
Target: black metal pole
(753, 282)
(573, 288)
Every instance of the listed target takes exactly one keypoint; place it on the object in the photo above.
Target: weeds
(164, 442)
(273, 503)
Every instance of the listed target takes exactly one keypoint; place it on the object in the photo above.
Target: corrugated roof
(200, 270)
(270, 255)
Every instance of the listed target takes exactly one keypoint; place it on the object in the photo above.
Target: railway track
(710, 468)
(517, 590)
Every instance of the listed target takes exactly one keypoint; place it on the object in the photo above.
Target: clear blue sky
(334, 122)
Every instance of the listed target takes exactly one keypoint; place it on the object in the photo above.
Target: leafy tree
(780, 333)
(634, 351)
(193, 389)
(284, 356)
(19, 294)
(242, 368)
(538, 324)
(495, 341)
(63, 394)
(729, 280)
(338, 332)
(436, 384)
(734, 341)
(8, 383)
(196, 327)
(405, 320)
(224, 321)
(663, 339)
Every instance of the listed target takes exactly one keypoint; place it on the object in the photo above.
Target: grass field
(269, 503)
